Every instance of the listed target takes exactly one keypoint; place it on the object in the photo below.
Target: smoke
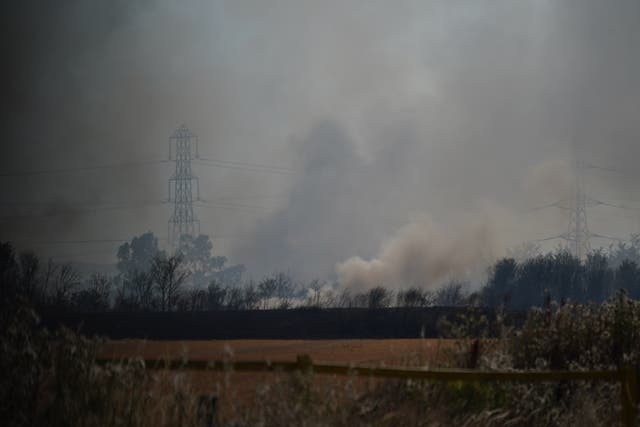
(386, 110)
(421, 255)
(551, 180)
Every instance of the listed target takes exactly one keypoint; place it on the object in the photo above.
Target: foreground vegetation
(52, 379)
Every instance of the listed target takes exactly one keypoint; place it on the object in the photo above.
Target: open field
(397, 352)
(361, 351)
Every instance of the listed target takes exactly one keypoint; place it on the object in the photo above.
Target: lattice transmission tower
(578, 236)
(181, 189)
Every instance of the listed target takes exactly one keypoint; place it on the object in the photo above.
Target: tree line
(193, 279)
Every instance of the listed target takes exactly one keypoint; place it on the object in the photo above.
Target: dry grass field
(243, 385)
(360, 351)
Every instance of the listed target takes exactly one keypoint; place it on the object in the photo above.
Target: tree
(235, 298)
(168, 275)
(276, 289)
(19, 275)
(315, 288)
(142, 290)
(266, 291)
(96, 297)
(195, 299)
(29, 265)
(345, 299)
(285, 288)
(501, 282)
(202, 265)
(8, 272)
(450, 295)
(138, 256)
(65, 281)
(533, 277)
(625, 251)
(414, 297)
(216, 295)
(566, 279)
(597, 277)
(249, 296)
(627, 277)
(379, 297)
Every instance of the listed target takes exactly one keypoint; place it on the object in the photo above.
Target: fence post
(629, 395)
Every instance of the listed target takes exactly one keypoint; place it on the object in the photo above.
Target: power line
(226, 164)
(81, 168)
(223, 204)
(558, 204)
(91, 205)
(75, 242)
(88, 211)
(244, 168)
(97, 241)
(578, 236)
(545, 239)
(602, 236)
(248, 164)
(602, 168)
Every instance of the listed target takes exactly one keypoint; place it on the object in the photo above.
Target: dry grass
(245, 385)
(366, 351)
(54, 380)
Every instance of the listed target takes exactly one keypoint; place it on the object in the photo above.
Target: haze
(387, 137)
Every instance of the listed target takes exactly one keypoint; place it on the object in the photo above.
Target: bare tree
(65, 281)
(267, 289)
(451, 295)
(250, 297)
(414, 297)
(29, 264)
(142, 288)
(235, 298)
(285, 288)
(216, 295)
(379, 297)
(96, 297)
(47, 278)
(195, 299)
(345, 299)
(315, 288)
(279, 286)
(168, 277)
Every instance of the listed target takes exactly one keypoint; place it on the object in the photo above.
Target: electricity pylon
(183, 219)
(578, 237)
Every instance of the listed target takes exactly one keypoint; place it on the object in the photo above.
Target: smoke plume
(384, 110)
(421, 255)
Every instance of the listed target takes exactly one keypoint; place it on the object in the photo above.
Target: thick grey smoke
(388, 111)
(421, 255)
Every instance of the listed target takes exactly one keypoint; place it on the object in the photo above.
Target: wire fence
(627, 377)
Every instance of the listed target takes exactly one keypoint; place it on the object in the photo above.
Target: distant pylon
(183, 219)
(578, 237)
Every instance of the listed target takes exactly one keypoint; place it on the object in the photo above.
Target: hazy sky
(459, 115)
